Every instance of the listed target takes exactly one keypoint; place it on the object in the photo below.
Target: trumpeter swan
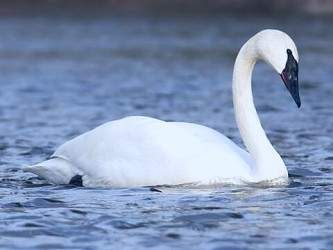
(143, 151)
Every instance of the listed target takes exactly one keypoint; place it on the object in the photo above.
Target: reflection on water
(62, 77)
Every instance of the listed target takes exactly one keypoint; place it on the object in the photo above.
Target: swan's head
(279, 50)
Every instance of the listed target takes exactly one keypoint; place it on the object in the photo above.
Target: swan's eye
(289, 51)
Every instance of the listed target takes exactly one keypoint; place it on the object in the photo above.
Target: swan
(143, 151)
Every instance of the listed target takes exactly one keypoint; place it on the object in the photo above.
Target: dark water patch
(302, 172)
(155, 190)
(13, 170)
(76, 211)
(173, 236)
(293, 175)
(43, 203)
(32, 225)
(294, 184)
(3, 163)
(258, 236)
(206, 208)
(208, 217)
(268, 108)
(13, 205)
(326, 170)
(3, 146)
(291, 240)
(118, 224)
(310, 85)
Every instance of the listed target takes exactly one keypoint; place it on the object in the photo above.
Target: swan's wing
(133, 151)
(211, 137)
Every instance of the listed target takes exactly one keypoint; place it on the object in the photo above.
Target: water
(61, 77)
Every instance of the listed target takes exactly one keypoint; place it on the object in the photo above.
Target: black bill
(290, 77)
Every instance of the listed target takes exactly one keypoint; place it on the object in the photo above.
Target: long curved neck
(267, 162)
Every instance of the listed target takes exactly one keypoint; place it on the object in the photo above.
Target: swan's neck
(267, 162)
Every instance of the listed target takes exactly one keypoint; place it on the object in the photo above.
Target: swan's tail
(55, 170)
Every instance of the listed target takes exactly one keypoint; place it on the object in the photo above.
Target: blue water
(61, 77)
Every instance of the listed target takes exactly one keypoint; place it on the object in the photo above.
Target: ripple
(208, 217)
(118, 224)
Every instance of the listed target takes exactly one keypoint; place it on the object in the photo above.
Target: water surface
(61, 77)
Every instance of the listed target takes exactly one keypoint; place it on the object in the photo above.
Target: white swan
(143, 151)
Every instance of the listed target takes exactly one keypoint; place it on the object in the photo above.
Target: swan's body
(140, 151)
